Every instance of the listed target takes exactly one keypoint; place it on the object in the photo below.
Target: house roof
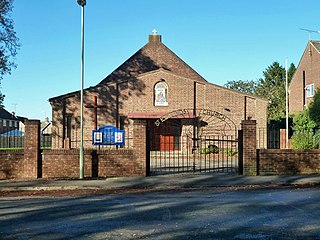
(152, 56)
(316, 44)
(4, 114)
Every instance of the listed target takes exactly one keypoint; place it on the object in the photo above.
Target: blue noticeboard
(108, 135)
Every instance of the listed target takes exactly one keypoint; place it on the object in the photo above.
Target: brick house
(306, 79)
(8, 121)
(154, 84)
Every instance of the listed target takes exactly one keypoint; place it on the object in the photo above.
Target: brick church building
(155, 85)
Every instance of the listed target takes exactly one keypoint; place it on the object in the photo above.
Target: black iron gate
(191, 144)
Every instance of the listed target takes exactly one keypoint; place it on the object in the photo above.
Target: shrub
(210, 149)
(304, 134)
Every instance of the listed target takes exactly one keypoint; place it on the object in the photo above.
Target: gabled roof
(316, 44)
(311, 43)
(152, 56)
(4, 114)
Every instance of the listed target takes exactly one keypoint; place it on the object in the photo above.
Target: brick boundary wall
(32, 163)
(248, 163)
(288, 161)
(32, 159)
(11, 164)
(23, 164)
(97, 163)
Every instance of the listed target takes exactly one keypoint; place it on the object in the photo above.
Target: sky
(222, 40)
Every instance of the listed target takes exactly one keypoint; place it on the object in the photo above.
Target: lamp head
(82, 2)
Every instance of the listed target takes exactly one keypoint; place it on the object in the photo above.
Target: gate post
(249, 153)
(139, 145)
(32, 155)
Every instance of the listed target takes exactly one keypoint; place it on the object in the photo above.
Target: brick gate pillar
(32, 158)
(139, 145)
(249, 154)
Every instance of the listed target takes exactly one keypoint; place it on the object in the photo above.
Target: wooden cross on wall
(95, 107)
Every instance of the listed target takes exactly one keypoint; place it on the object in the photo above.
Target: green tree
(271, 87)
(314, 108)
(291, 71)
(248, 87)
(8, 41)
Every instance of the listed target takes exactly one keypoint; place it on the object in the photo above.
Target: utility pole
(82, 3)
(287, 107)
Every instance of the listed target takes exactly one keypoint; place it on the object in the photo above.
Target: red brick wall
(32, 150)
(11, 164)
(32, 163)
(97, 163)
(249, 153)
(288, 161)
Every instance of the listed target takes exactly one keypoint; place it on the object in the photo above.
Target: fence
(58, 140)
(271, 135)
(14, 139)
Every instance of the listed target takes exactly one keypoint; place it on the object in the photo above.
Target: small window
(122, 120)
(10, 123)
(161, 94)
(69, 126)
(15, 124)
(4, 123)
(310, 90)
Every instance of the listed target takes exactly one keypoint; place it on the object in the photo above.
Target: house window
(4, 123)
(15, 124)
(310, 90)
(161, 94)
(10, 123)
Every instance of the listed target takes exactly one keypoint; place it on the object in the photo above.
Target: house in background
(306, 79)
(46, 127)
(9, 122)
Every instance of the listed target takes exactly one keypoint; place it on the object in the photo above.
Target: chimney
(154, 38)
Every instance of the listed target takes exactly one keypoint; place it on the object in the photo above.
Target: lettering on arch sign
(207, 121)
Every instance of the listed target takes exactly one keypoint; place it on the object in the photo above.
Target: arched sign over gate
(207, 121)
(193, 140)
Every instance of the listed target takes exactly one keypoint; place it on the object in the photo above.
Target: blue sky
(222, 40)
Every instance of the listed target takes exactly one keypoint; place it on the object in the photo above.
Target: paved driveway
(207, 214)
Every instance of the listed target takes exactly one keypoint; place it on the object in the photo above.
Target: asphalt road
(208, 214)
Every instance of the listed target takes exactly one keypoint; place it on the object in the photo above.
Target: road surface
(186, 214)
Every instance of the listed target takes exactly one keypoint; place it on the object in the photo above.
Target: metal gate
(182, 144)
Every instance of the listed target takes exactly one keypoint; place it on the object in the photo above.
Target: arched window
(161, 94)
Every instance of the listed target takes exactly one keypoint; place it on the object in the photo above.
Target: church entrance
(188, 140)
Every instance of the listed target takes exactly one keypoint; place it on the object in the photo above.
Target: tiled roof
(4, 114)
(154, 55)
(316, 44)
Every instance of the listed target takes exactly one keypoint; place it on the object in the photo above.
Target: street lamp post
(82, 3)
